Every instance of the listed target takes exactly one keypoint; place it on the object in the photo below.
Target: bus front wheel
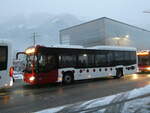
(68, 78)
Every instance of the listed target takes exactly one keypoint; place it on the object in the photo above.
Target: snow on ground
(134, 101)
(54, 110)
(139, 92)
(141, 105)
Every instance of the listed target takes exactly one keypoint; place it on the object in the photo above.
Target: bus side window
(119, 57)
(91, 61)
(82, 60)
(67, 61)
(100, 60)
(110, 58)
(3, 57)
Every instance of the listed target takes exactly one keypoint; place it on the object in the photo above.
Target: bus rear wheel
(68, 78)
(119, 74)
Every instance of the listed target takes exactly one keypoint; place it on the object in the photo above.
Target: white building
(106, 31)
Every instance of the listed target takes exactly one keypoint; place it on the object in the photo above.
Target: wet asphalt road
(23, 98)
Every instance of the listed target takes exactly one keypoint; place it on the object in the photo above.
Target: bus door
(47, 67)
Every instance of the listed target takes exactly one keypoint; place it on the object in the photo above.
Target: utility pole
(35, 35)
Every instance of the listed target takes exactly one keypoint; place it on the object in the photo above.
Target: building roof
(102, 18)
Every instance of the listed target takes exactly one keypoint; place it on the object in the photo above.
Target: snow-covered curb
(123, 102)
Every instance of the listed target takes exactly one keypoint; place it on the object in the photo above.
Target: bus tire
(119, 73)
(68, 78)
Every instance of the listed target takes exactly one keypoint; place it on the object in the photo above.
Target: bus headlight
(32, 78)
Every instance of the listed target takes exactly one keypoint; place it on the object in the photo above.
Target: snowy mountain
(20, 28)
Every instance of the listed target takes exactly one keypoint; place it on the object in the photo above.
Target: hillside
(20, 28)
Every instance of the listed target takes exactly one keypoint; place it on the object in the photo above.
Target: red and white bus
(66, 64)
(144, 60)
(6, 71)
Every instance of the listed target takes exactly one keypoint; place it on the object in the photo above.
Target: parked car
(17, 75)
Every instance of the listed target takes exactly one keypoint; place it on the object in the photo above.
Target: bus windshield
(144, 60)
(31, 63)
(40, 63)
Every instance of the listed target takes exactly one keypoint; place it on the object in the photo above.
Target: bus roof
(68, 46)
(94, 47)
(113, 48)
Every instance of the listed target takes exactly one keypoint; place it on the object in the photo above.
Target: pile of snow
(127, 102)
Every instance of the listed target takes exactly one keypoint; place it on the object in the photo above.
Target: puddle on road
(148, 75)
(134, 76)
(5, 99)
(60, 91)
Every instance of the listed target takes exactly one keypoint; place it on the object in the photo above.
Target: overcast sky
(130, 11)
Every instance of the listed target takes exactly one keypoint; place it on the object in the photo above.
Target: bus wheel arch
(68, 77)
(119, 73)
